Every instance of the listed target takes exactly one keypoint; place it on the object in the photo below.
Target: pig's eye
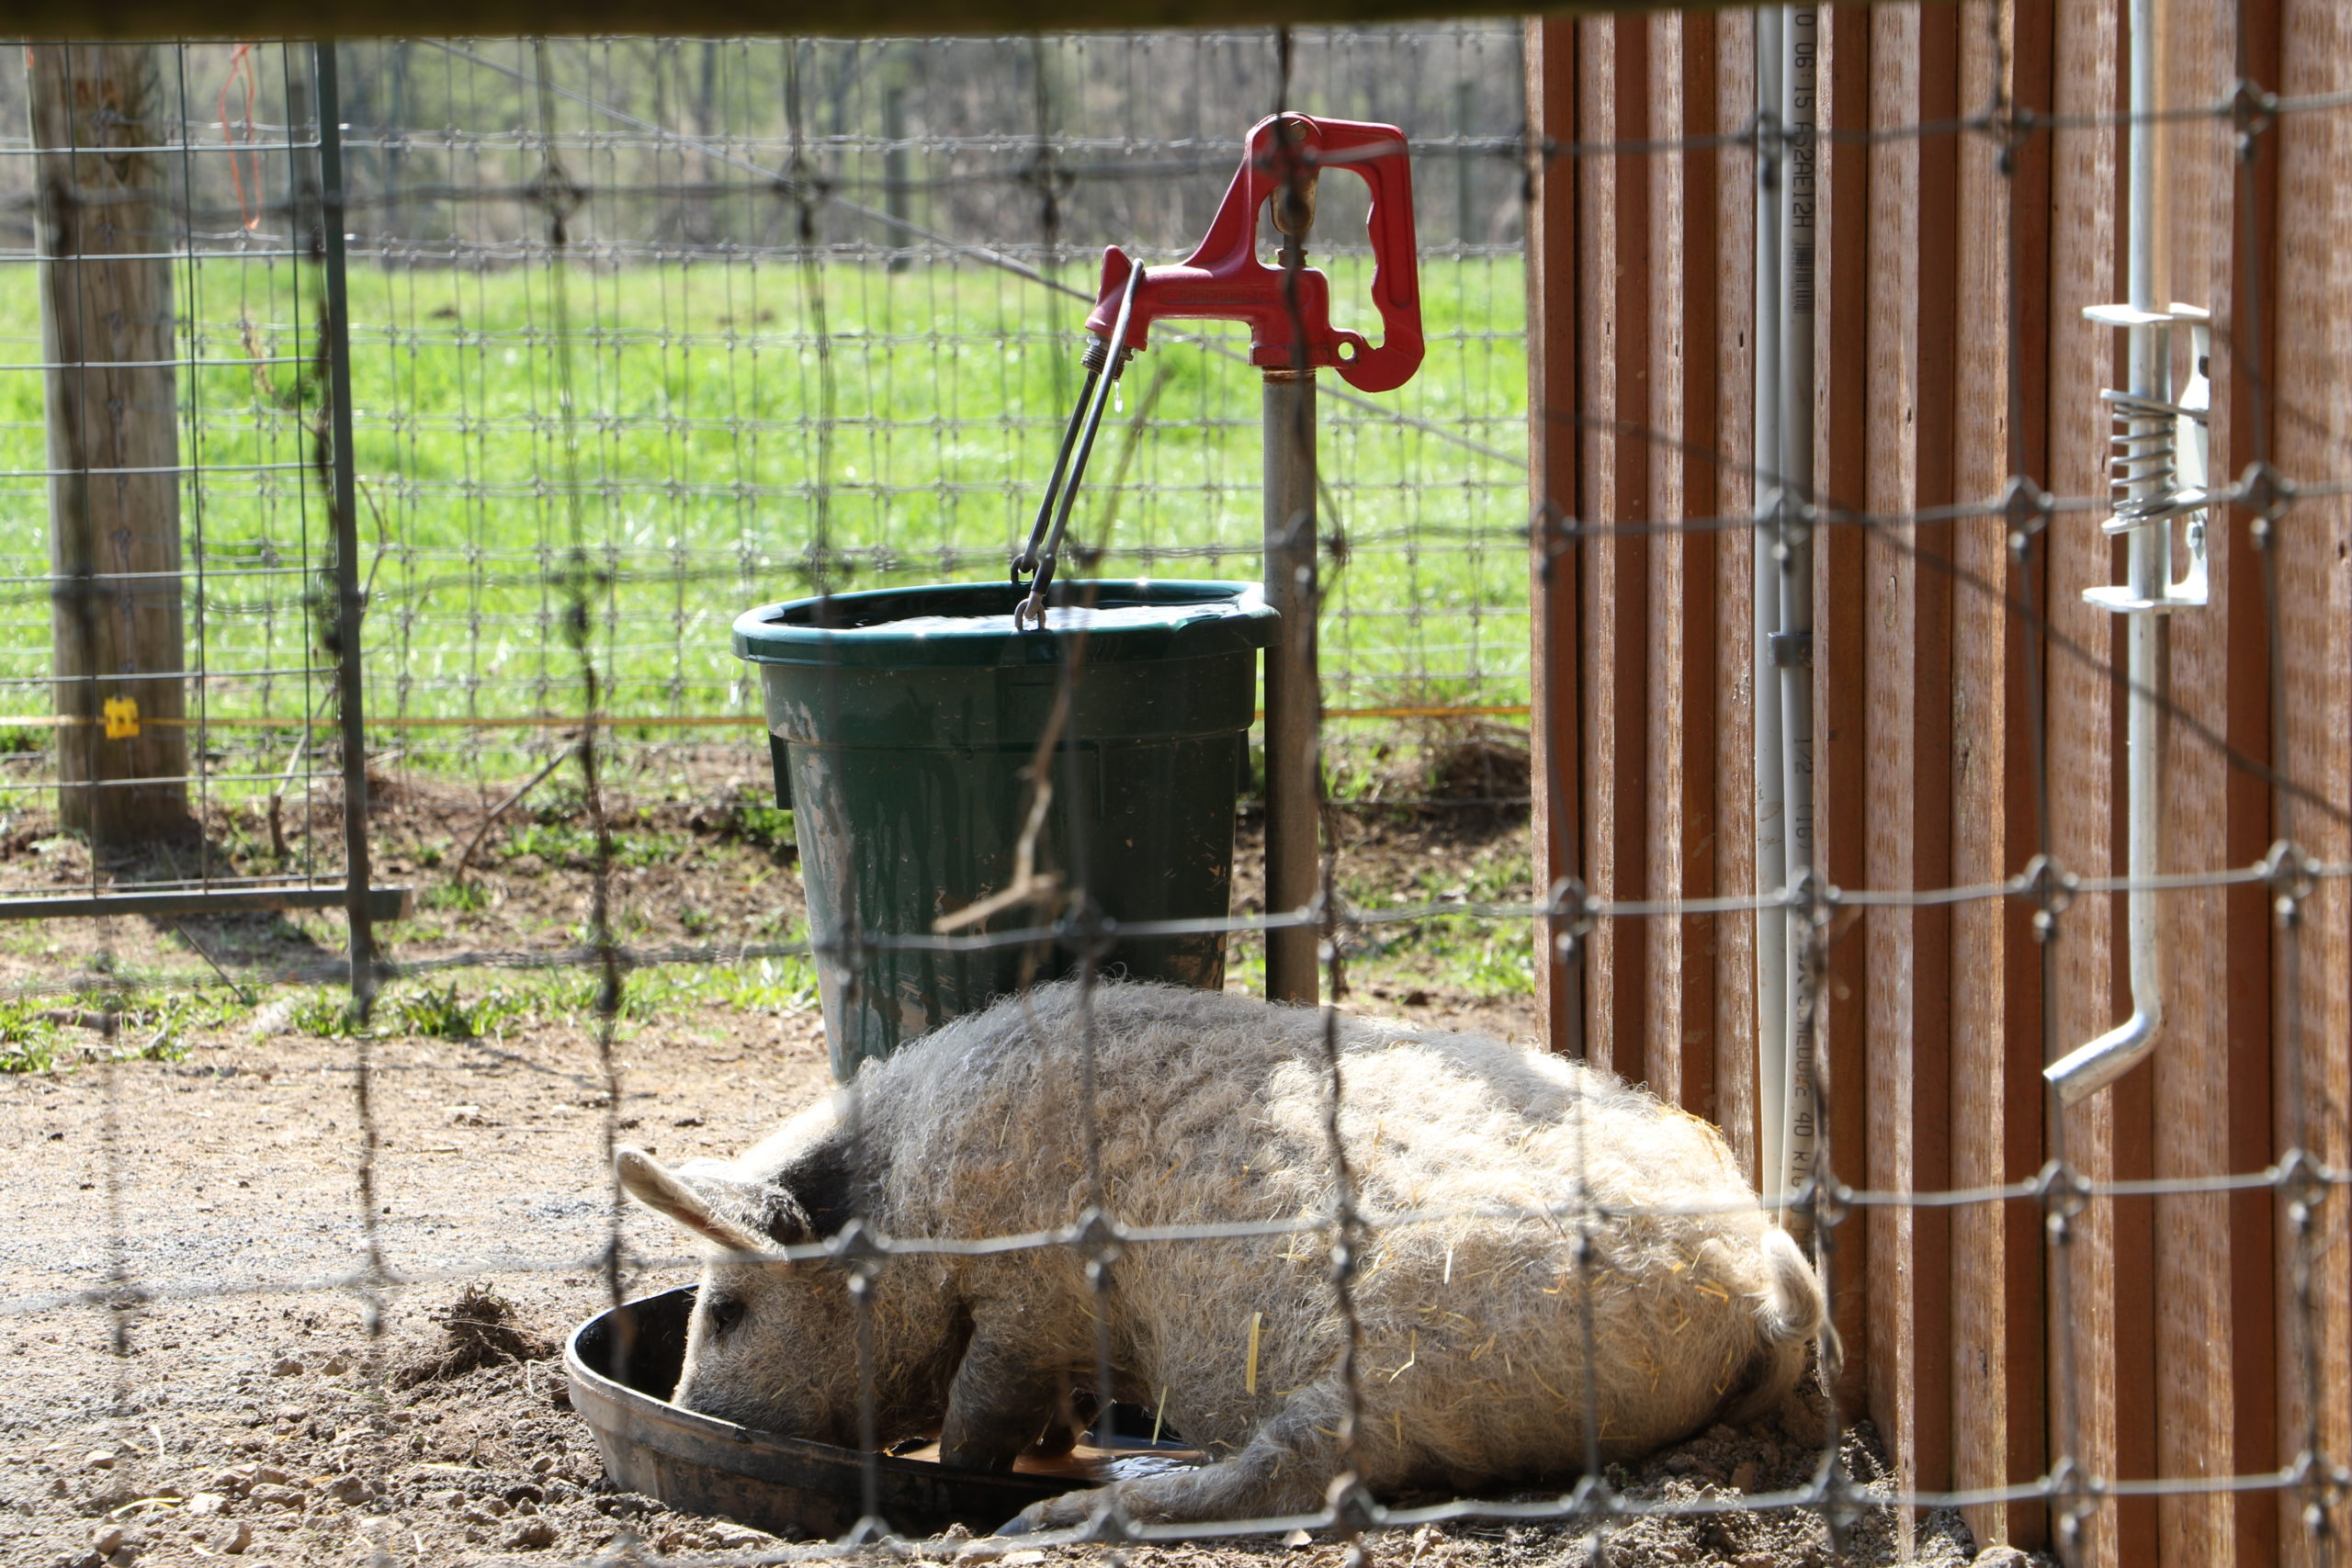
(726, 1312)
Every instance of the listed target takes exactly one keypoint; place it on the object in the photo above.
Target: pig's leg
(1286, 1468)
(999, 1403)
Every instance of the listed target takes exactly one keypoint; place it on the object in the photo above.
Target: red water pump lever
(1224, 280)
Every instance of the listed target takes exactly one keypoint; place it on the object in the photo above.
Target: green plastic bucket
(902, 722)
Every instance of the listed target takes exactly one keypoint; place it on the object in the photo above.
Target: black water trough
(699, 1464)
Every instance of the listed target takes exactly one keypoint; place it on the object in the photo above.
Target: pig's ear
(652, 1184)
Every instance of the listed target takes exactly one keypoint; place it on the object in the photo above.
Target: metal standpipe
(1792, 553)
(1288, 309)
(1787, 53)
(1764, 689)
(1293, 690)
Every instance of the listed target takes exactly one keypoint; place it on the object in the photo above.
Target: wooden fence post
(1554, 440)
(2308, 401)
(1681, 352)
(1732, 938)
(1999, 428)
(1613, 408)
(113, 412)
(1906, 809)
(1840, 660)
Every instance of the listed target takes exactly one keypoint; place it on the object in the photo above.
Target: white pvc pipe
(1800, 57)
(1764, 692)
(2091, 1067)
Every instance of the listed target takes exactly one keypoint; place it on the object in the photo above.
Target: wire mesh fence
(159, 657)
(921, 215)
(820, 298)
(643, 330)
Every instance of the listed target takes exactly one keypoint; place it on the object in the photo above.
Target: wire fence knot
(2064, 1193)
(1793, 521)
(2028, 509)
(1817, 899)
(556, 192)
(858, 1250)
(1353, 1507)
(2267, 493)
(2053, 890)
(2302, 1182)
(1087, 930)
(2253, 110)
(2293, 876)
(1097, 1239)
(2074, 1495)
(1557, 528)
(2324, 1486)
(2014, 128)
(1826, 1202)
(1593, 1507)
(1571, 911)
(1841, 1503)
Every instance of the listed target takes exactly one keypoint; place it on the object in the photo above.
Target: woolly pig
(1474, 1367)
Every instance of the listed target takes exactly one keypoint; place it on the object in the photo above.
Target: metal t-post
(348, 600)
(1294, 698)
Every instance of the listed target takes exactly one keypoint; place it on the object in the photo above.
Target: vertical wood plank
(1613, 400)
(1553, 445)
(1700, 346)
(1735, 671)
(1982, 763)
(2134, 1102)
(1996, 1093)
(2313, 409)
(1841, 466)
(2255, 1026)
(1908, 844)
(2110, 1426)
(1670, 685)
(2208, 1002)
(2026, 1098)
(1680, 704)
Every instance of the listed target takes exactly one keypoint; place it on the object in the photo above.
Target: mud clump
(479, 1329)
(1488, 767)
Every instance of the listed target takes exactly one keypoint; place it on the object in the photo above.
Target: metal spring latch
(2158, 462)
(2157, 471)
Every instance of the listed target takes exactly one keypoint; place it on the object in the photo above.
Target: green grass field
(671, 442)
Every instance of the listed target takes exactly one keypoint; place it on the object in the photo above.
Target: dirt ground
(196, 1374)
(701, 863)
(247, 1414)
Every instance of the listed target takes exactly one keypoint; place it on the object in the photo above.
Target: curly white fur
(1477, 1363)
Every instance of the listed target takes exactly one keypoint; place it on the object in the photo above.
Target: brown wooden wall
(2165, 1338)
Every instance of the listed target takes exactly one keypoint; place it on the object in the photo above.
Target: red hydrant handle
(1224, 280)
